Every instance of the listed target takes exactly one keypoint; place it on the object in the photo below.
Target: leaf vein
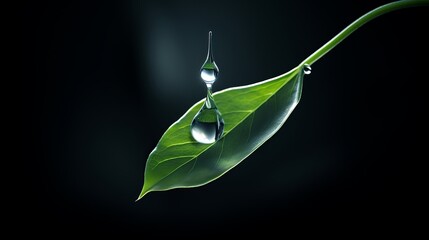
(193, 166)
(251, 125)
(221, 151)
(169, 159)
(174, 145)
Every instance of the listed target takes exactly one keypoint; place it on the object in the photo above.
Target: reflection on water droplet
(207, 125)
(307, 69)
(209, 75)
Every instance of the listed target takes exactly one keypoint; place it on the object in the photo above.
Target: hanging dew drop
(307, 69)
(207, 125)
(209, 70)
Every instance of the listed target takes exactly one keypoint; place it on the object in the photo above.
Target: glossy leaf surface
(252, 115)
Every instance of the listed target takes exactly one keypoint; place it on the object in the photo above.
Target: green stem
(358, 23)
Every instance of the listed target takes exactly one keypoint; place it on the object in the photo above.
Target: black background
(103, 81)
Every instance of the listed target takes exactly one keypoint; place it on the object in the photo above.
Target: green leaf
(252, 115)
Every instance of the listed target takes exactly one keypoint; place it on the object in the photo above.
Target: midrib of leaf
(285, 78)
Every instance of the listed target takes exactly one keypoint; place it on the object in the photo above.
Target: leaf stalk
(359, 23)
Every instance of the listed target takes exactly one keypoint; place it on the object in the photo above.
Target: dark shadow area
(101, 82)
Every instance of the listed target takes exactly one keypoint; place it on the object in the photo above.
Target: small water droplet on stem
(307, 69)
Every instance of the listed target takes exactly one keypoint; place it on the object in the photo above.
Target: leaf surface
(252, 114)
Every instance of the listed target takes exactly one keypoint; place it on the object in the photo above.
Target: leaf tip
(140, 197)
(142, 194)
